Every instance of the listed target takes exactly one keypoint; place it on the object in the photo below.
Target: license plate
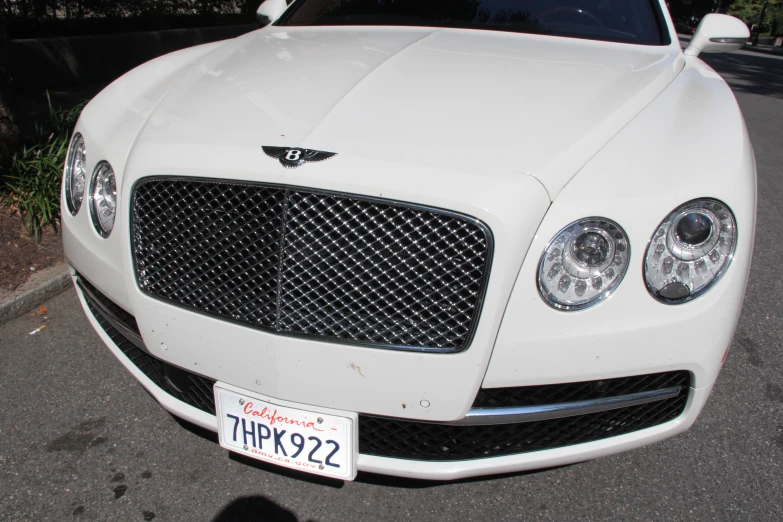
(309, 441)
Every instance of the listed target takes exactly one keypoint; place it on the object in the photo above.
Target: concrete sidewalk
(41, 287)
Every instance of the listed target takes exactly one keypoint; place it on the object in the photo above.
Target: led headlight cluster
(75, 174)
(687, 254)
(583, 264)
(103, 187)
(103, 198)
(690, 250)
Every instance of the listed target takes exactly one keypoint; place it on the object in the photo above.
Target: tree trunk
(9, 132)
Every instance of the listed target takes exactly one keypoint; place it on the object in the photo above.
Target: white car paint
(639, 185)
(549, 130)
(720, 33)
(502, 93)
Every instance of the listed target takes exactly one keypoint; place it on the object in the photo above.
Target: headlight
(103, 198)
(75, 174)
(583, 264)
(690, 251)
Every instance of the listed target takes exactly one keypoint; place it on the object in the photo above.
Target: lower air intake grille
(193, 389)
(414, 440)
(301, 262)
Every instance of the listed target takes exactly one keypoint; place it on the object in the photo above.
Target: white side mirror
(718, 33)
(271, 10)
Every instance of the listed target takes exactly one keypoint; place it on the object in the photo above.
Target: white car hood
(456, 120)
(534, 104)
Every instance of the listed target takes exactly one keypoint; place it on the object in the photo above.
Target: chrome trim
(716, 277)
(73, 208)
(112, 319)
(517, 414)
(612, 287)
(729, 40)
(304, 156)
(96, 223)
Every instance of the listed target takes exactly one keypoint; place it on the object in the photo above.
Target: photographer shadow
(254, 508)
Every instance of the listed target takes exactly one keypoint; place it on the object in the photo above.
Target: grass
(32, 185)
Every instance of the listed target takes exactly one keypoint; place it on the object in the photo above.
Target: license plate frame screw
(321, 467)
(320, 420)
(245, 447)
(241, 402)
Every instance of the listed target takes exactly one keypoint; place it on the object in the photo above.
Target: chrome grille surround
(304, 262)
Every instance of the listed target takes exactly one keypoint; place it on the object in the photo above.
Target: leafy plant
(61, 122)
(32, 186)
(750, 10)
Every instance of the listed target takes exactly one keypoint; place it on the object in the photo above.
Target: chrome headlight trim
(710, 257)
(591, 279)
(103, 198)
(75, 167)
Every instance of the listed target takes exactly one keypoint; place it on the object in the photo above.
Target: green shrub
(32, 186)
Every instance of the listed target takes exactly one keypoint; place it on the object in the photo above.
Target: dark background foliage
(746, 10)
(42, 18)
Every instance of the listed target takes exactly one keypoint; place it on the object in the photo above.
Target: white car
(430, 238)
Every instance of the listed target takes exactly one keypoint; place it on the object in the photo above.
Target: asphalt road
(80, 439)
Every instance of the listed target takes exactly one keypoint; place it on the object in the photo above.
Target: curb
(37, 290)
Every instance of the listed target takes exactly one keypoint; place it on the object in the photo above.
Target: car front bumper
(113, 336)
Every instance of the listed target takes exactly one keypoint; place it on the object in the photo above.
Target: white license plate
(299, 439)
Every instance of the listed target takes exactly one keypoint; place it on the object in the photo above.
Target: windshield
(631, 21)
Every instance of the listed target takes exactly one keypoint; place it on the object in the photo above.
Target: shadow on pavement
(750, 73)
(254, 508)
(196, 430)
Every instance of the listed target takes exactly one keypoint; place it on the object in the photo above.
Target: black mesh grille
(211, 247)
(413, 440)
(578, 391)
(302, 262)
(198, 392)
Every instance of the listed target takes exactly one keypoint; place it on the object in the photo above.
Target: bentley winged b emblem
(294, 157)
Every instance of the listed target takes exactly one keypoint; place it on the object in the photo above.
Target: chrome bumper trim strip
(511, 415)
